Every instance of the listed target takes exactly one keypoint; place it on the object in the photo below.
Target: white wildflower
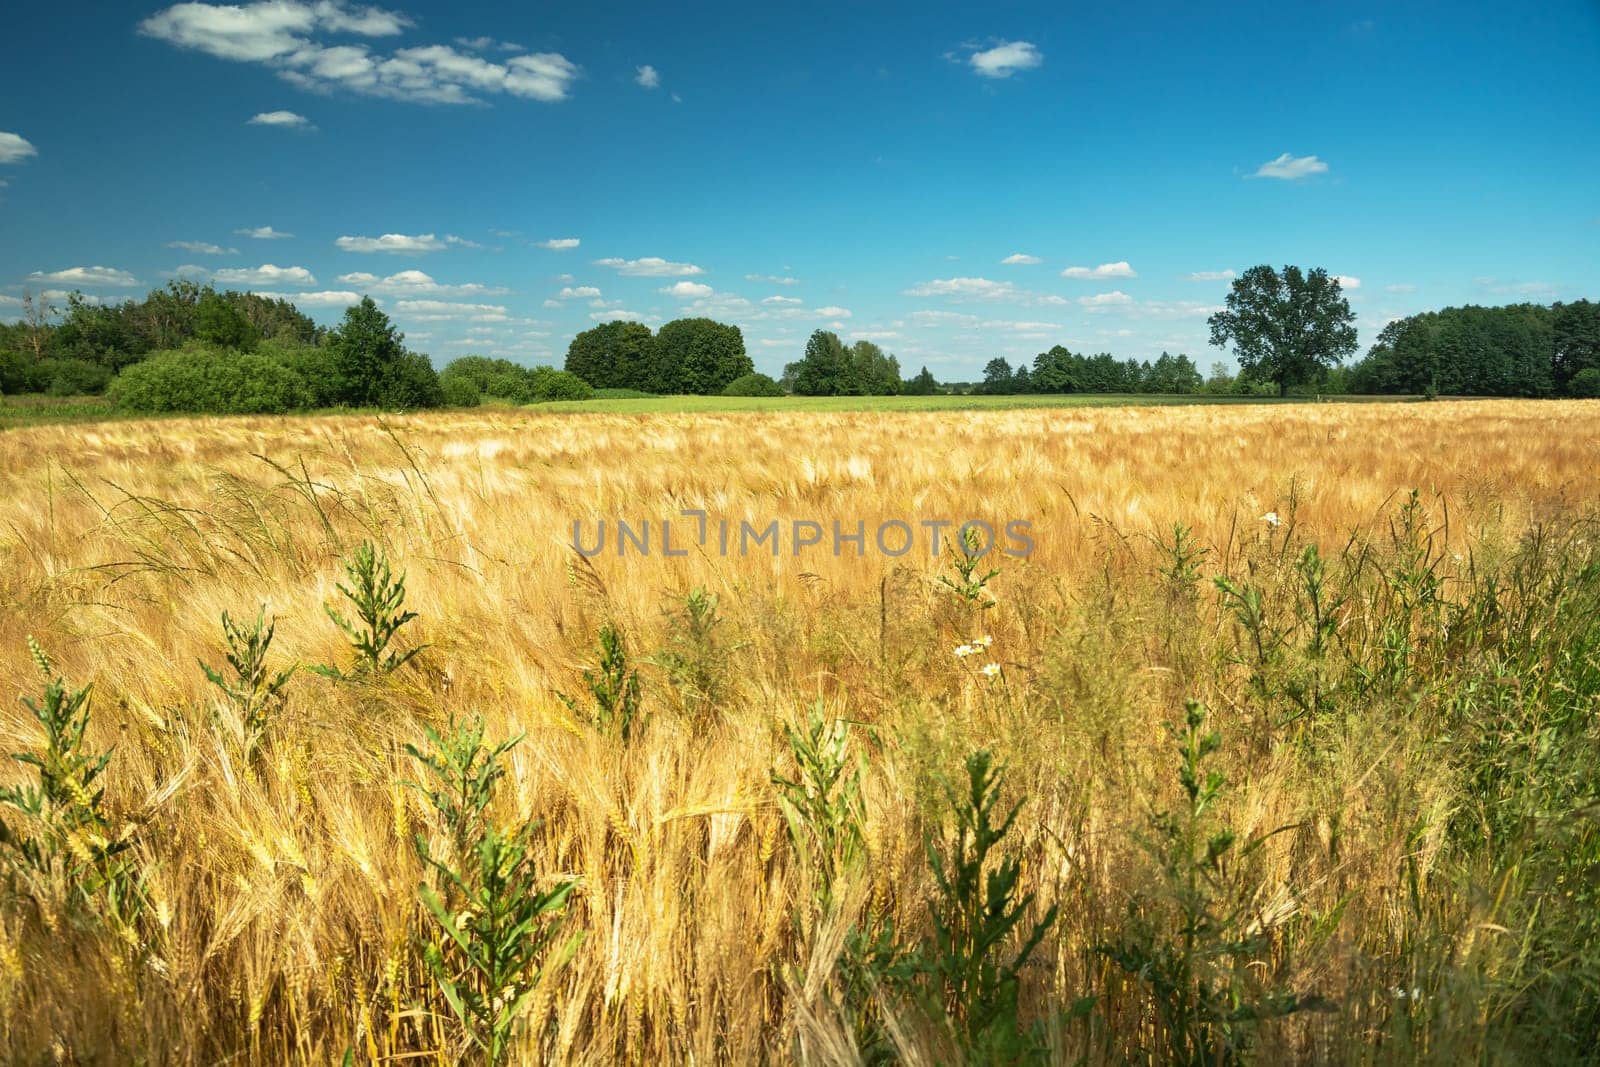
(990, 669)
(963, 651)
(1271, 519)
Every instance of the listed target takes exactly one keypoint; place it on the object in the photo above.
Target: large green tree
(1577, 341)
(1285, 327)
(699, 356)
(374, 368)
(825, 369)
(614, 355)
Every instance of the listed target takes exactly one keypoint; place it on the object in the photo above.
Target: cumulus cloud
(14, 148)
(266, 274)
(1347, 281)
(439, 310)
(203, 248)
(1105, 301)
(1119, 269)
(1021, 258)
(292, 37)
(402, 244)
(416, 283)
(782, 301)
(975, 289)
(559, 244)
(772, 279)
(578, 292)
(263, 233)
(1212, 276)
(1291, 168)
(687, 290)
(1005, 59)
(287, 119)
(92, 276)
(833, 312)
(616, 313)
(648, 77)
(650, 267)
(325, 298)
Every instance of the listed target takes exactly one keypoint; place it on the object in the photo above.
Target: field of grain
(1404, 689)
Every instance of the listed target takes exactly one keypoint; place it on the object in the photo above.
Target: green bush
(20, 372)
(459, 391)
(198, 379)
(549, 384)
(315, 365)
(74, 377)
(411, 383)
(1586, 383)
(753, 384)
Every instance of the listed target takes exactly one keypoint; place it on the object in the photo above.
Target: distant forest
(189, 347)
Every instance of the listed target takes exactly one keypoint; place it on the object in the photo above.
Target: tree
(699, 356)
(997, 377)
(221, 322)
(614, 355)
(1577, 342)
(825, 368)
(370, 357)
(1285, 328)
(921, 385)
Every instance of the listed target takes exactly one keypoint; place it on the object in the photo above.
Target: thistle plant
(378, 598)
(613, 689)
(253, 693)
(822, 803)
(63, 842)
(497, 924)
(978, 910)
(1189, 943)
(971, 582)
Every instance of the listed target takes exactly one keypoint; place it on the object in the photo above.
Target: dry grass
(283, 915)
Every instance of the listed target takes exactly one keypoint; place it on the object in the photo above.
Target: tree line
(1516, 350)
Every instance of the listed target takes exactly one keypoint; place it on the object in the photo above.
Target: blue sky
(955, 181)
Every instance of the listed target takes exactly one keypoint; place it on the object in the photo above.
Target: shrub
(754, 384)
(411, 382)
(459, 391)
(73, 377)
(198, 379)
(20, 372)
(1586, 383)
(551, 384)
(315, 365)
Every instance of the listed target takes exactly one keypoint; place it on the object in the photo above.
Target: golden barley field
(1394, 864)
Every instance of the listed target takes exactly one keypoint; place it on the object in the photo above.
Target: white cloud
(266, 274)
(1212, 276)
(1290, 168)
(833, 312)
(616, 313)
(1119, 269)
(1021, 258)
(14, 148)
(782, 301)
(686, 290)
(325, 298)
(281, 118)
(95, 276)
(402, 244)
(416, 283)
(1347, 281)
(970, 289)
(203, 248)
(289, 36)
(1005, 59)
(941, 318)
(559, 244)
(648, 77)
(1400, 287)
(649, 267)
(578, 292)
(1104, 301)
(263, 233)
(771, 279)
(488, 44)
(434, 310)
(873, 335)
